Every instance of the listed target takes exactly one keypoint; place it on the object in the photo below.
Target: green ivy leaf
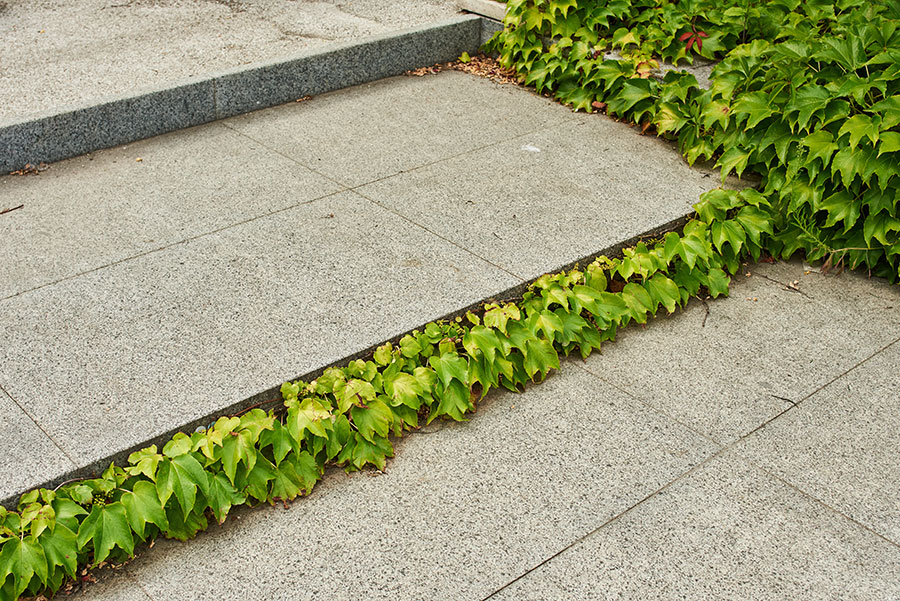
(222, 496)
(23, 558)
(373, 420)
(182, 476)
(106, 527)
(142, 506)
(60, 549)
(404, 389)
(860, 126)
(309, 415)
(540, 357)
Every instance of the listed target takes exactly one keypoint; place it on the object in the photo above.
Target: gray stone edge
(73, 131)
(272, 396)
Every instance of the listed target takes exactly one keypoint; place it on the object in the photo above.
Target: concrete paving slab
(460, 511)
(71, 52)
(540, 201)
(29, 456)
(726, 531)
(373, 131)
(89, 212)
(840, 445)
(728, 371)
(110, 359)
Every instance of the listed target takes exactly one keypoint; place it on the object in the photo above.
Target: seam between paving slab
(39, 427)
(72, 131)
(610, 521)
(176, 243)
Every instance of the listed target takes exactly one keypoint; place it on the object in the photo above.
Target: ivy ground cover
(805, 96)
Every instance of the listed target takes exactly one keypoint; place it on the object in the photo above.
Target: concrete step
(148, 288)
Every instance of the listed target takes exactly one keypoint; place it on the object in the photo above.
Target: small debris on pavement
(304, 99)
(4, 211)
(139, 160)
(30, 169)
(481, 65)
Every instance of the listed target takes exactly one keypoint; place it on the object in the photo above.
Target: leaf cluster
(806, 96)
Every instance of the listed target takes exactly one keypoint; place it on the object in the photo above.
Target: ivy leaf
(734, 159)
(548, 323)
(840, 206)
(890, 142)
(23, 558)
(404, 389)
(409, 347)
(540, 357)
(60, 548)
(182, 476)
(258, 479)
(372, 421)
(384, 354)
(755, 223)
(309, 414)
(717, 282)
(821, 146)
(664, 291)
(860, 126)
(356, 392)
(256, 421)
(755, 105)
(279, 439)
(106, 527)
(639, 301)
(453, 401)
(889, 109)
(144, 462)
(67, 513)
(237, 447)
(806, 101)
(142, 505)
(179, 445)
(879, 227)
(728, 232)
(338, 436)
(449, 366)
(373, 453)
(222, 496)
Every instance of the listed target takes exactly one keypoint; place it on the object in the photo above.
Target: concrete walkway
(74, 52)
(745, 448)
(147, 288)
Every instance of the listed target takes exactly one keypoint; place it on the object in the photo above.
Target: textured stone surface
(346, 65)
(460, 511)
(55, 136)
(728, 371)
(840, 445)
(29, 457)
(147, 112)
(726, 531)
(109, 359)
(486, 8)
(74, 51)
(537, 202)
(374, 131)
(89, 212)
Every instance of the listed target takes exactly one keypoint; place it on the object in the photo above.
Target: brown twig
(4, 211)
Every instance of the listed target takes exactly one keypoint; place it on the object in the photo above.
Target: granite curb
(77, 130)
(269, 398)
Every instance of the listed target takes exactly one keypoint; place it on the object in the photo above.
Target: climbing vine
(347, 416)
(805, 96)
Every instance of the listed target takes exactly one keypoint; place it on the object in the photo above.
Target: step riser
(120, 120)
